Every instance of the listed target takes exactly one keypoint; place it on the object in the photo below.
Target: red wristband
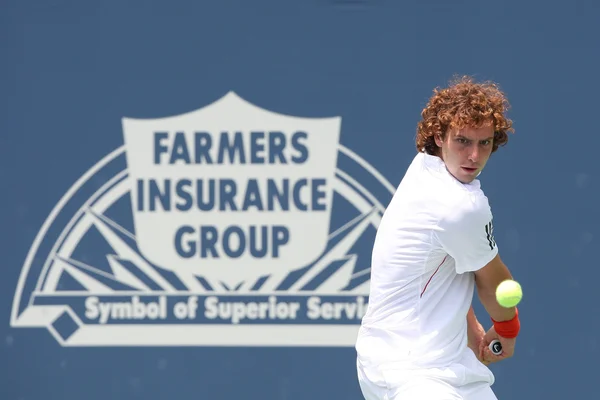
(508, 329)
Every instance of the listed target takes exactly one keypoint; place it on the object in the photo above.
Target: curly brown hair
(463, 103)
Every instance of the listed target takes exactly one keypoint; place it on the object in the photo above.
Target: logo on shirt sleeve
(489, 230)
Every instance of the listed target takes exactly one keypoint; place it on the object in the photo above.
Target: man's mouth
(469, 169)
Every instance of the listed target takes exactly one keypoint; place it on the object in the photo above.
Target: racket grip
(496, 347)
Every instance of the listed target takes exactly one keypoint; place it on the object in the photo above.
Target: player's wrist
(508, 329)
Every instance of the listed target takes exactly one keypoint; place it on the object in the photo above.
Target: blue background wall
(70, 70)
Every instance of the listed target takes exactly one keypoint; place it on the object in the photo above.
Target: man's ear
(438, 140)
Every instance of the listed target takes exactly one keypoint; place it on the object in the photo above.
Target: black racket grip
(496, 347)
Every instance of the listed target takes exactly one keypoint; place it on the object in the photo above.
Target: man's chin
(465, 178)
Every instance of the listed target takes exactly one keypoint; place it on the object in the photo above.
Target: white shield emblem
(231, 191)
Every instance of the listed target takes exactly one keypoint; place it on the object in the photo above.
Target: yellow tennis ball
(509, 293)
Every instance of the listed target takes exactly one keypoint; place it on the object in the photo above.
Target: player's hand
(508, 347)
(475, 335)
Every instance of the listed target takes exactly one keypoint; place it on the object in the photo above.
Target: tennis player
(420, 338)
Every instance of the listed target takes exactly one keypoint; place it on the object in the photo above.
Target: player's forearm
(475, 333)
(474, 328)
(487, 280)
(487, 296)
(471, 318)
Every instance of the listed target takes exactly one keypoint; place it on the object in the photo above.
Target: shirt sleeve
(466, 233)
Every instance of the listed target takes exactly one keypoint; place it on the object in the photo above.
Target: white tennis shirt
(434, 233)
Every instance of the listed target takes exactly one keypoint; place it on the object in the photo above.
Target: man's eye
(461, 140)
(486, 142)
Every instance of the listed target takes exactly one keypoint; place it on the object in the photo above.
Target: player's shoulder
(473, 204)
(469, 209)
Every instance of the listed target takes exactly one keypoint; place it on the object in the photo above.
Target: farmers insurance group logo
(228, 225)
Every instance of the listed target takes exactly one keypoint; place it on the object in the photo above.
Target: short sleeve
(466, 233)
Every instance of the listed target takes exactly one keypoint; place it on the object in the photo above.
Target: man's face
(465, 152)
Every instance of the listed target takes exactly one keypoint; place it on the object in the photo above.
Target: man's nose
(474, 154)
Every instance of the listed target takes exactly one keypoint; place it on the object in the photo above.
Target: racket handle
(496, 347)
